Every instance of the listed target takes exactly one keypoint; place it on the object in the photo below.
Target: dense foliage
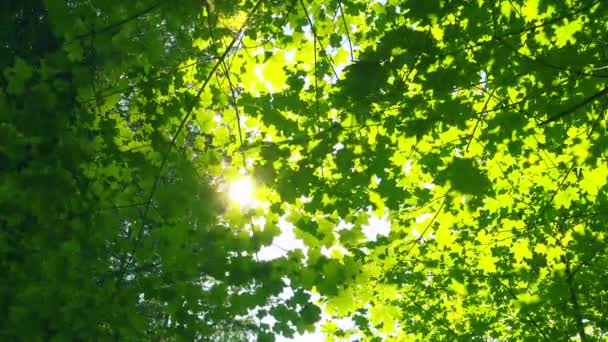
(476, 129)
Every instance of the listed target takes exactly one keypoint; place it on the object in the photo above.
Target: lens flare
(241, 191)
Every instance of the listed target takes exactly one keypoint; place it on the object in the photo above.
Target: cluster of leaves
(475, 128)
(110, 219)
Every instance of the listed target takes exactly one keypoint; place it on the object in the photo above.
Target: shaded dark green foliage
(476, 129)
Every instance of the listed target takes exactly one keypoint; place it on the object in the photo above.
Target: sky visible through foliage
(340, 170)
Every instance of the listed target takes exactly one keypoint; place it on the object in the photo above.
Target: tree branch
(119, 23)
(576, 107)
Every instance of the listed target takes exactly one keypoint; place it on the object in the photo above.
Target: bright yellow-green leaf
(487, 262)
(526, 298)
(384, 315)
(342, 304)
(564, 198)
(564, 34)
(521, 250)
(593, 180)
(458, 287)
(530, 10)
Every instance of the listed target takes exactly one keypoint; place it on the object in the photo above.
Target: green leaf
(17, 76)
(310, 314)
(464, 176)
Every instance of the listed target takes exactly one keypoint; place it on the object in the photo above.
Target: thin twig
(316, 38)
(481, 114)
(105, 93)
(232, 90)
(528, 316)
(421, 236)
(542, 62)
(576, 107)
(122, 22)
(179, 129)
(350, 44)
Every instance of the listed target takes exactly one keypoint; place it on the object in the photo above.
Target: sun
(241, 191)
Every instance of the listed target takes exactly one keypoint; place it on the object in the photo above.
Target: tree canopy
(474, 130)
